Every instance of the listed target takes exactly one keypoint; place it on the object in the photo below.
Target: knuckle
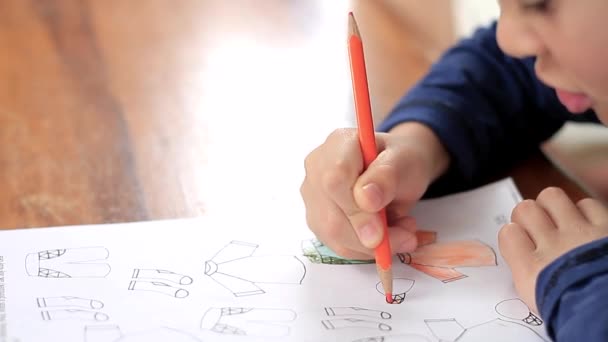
(309, 162)
(522, 208)
(338, 176)
(504, 233)
(340, 133)
(586, 202)
(333, 227)
(550, 192)
(342, 251)
(311, 221)
(302, 189)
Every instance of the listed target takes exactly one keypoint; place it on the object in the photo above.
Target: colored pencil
(367, 140)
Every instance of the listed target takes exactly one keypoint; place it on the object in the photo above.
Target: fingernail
(374, 194)
(368, 235)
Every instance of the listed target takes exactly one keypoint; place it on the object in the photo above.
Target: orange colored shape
(444, 274)
(438, 260)
(426, 237)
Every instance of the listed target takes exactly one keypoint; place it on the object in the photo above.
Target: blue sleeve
(488, 109)
(572, 294)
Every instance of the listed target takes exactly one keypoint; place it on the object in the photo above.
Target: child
(486, 102)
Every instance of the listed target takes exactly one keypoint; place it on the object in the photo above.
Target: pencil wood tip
(386, 278)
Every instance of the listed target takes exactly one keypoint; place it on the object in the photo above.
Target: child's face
(569, 39)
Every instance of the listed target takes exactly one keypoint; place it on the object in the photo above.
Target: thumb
(378, 185)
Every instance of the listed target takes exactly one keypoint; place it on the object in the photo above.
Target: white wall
(469, 14)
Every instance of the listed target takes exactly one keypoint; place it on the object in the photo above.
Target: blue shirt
(490, 111)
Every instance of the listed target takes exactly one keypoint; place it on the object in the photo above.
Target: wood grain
(118, 111)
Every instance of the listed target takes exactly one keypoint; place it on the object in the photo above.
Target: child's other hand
(544, 229)
(342, 202)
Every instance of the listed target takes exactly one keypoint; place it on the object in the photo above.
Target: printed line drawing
(69, 301)
(161, 275)
(395, 338)
(439, 259)
(71, 307)
(260, 322)
(356, 311)
(85, 262)
(344, 323)
(236, 268)
(401, 286)
(501, 220)
(77, 314)
(516, 309)
(158, 287)
(157, 280)
(499, 330)
(317, 253)
(113, 333)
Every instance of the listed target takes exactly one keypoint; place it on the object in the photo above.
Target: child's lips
(575, 102)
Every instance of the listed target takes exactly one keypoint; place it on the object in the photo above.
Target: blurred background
(130, 110)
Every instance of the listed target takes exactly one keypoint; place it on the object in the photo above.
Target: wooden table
(116, 111)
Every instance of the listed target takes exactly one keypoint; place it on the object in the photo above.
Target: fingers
(530, 215)
(515, 245)
(402, 235)
(594, 211)
(518, 250)
(375, 189)
(560, 208)
(380, 183)
(337, 183)
(331, 226)
(332, 214)
(336, 214)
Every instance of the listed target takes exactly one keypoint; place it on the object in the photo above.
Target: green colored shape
(318, 253)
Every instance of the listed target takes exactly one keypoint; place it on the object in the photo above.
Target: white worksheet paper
(240, 277)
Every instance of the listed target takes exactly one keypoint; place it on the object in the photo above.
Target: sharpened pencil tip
(352, 25)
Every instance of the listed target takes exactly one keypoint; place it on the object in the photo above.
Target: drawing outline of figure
(158, 287)
(113, 333)
(157, 280)
(439, 259)
(76, 314)
(260, 322)
(161, 275)
(401, 286)
(498, 330)
(69, 301)
(395, 338)
(356, 311)
(345, 323)
(516, 309)
(84, 262)
(236, 268)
